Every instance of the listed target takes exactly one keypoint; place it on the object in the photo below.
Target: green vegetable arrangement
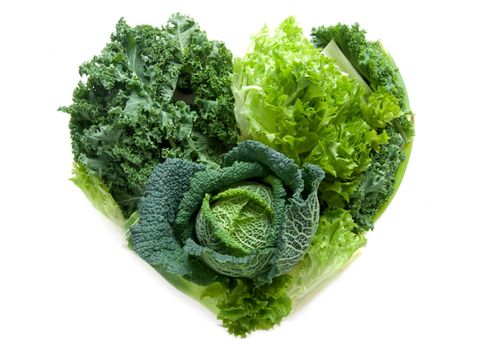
(246, 182)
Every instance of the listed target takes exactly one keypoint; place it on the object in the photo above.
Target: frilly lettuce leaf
(296, 100)
(244, 308)
(334, 244)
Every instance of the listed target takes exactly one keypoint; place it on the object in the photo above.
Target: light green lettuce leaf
(291, 97)
(382, 108)
(98, 194)
(333, 246)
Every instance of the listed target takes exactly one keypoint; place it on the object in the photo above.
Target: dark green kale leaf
(378, 184)
(152, 93)
(369, 58)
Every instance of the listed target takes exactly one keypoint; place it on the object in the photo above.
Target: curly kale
(369, 58)
(152, 93)
(378, 184)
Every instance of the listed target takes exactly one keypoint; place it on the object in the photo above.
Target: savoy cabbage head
(254, 217)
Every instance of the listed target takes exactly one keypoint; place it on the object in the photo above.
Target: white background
(69, 282)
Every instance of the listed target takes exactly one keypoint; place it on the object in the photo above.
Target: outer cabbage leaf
(152, 237)
(301, 220)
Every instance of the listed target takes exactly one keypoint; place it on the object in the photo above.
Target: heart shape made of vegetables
(215, 166)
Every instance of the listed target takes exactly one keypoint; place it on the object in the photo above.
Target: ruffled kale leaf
(378, 184)
(152, 94)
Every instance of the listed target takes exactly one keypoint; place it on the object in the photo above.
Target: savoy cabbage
(254, 217)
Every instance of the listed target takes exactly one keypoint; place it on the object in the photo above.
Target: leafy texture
(332, 247)
(347, 112)
(253, 233)
(153, 93)
(152, 236)
(293, 98)
(374, 64)
(378, 183)
(369, 58)
(388, 108)
(243, 229)
(98, 194)
(245, 308)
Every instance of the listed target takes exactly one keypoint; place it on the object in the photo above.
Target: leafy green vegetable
(333, 51)
(333, 245)
(153, 93)
(245, 308)
(228, 239)
(320, 108)
(369, 58)
(381, 110)
(237, 230)
(378, 183)
(378, 69)
(293, 98)
(374, 64)
(98, 194)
